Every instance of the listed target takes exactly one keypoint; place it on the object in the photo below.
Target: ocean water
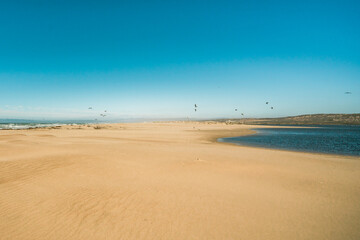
(27, 124)
(343, 140)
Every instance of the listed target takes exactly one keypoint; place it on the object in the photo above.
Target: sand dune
(170, 181)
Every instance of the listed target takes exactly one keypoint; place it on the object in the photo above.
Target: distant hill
(309, 119)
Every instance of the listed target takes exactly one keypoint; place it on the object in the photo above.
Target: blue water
(26, 124)
(344, 140)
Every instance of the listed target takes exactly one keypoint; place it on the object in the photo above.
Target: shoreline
(210, 135)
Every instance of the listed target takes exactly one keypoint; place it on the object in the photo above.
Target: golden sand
(170, 181)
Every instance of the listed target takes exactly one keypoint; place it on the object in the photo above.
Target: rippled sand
(170, 181)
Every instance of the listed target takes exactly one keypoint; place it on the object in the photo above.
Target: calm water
(344, 140)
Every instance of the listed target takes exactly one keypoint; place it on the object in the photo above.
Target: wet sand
(170, 181)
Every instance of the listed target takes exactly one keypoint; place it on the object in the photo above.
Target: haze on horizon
(156, 59)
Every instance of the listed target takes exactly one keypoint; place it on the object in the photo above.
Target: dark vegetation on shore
(309, 119)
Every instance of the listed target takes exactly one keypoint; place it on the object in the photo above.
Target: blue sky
(158, 58)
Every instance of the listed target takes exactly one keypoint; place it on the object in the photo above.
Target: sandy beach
(170, 181)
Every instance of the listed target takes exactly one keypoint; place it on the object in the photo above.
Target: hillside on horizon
(308, 119)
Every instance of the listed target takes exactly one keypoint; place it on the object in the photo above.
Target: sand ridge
(170, 181)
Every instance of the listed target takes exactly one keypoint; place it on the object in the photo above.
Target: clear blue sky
(158, 58)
